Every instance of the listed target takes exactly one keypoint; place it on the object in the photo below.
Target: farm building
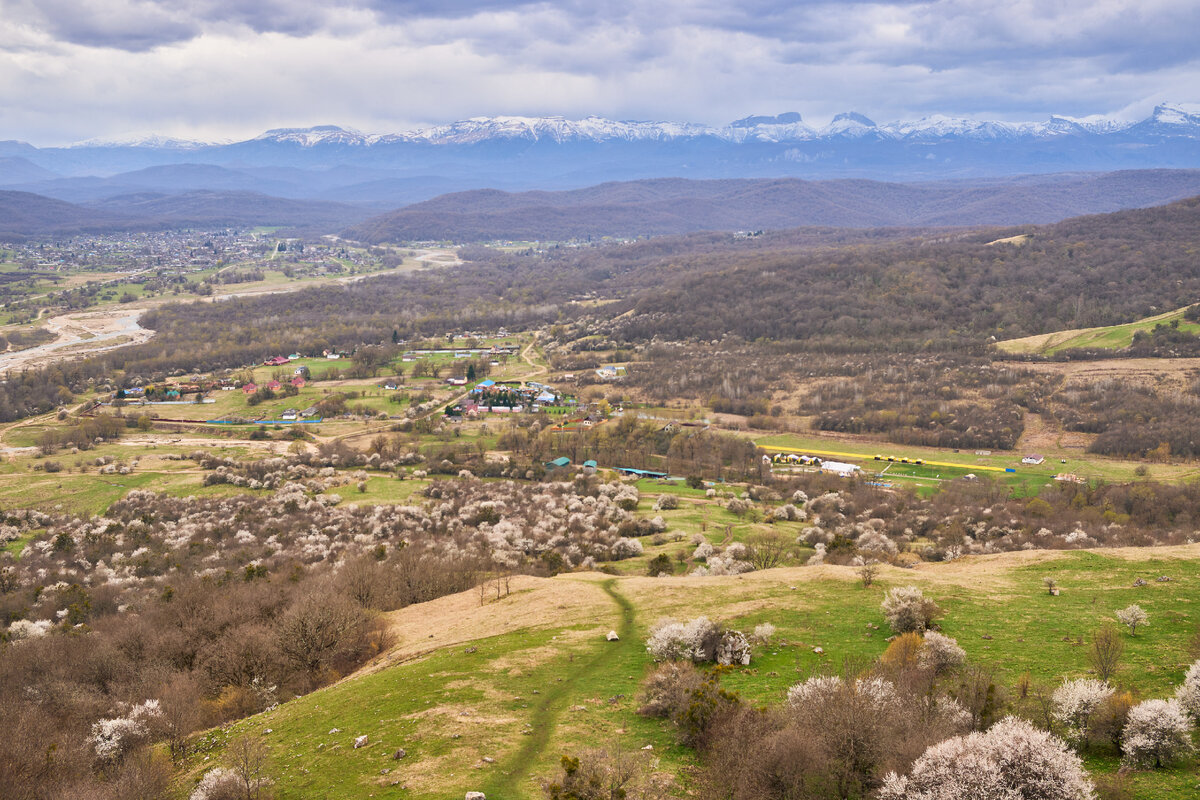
(840, 469)
(1033, 458)
(562, 462)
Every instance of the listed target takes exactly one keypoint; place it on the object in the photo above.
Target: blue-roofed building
(561, 462)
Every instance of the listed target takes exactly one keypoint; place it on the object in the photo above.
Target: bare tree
(1105, 653)
(868, 572)
(768, 549)
(248, 760)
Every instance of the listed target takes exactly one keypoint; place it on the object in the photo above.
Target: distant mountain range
(383, 171)
(676, 206)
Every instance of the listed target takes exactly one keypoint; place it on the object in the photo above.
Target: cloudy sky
(214, 69)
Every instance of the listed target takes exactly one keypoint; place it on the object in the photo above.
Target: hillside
(23, 214)
(488, 696)
(676, 206)
(232, 208)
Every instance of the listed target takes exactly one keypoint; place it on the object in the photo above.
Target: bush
(699, 641)
(908, 609)
(1011, 761)
(660, 565)
(1076, 704)
(666, 502)
(1157, 733)
(1188, 694)
(940, 654)
(1133, 617)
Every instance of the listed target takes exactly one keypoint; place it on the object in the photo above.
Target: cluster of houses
(490, 396)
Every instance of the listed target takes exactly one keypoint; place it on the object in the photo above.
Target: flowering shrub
(940, 653)
(1076, 703)
(112, 738)
(700, 640)
(1010, 761)
(907, 609)
(1157, 733)
(1188, 694)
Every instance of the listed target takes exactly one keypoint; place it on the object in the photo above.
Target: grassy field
(524, 678)
(1026, 479)
(1112, 337)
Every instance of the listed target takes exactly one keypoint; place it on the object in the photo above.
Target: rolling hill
(23, 214)
(675, 206)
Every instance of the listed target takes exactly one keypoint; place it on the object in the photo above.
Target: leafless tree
(1105, 653)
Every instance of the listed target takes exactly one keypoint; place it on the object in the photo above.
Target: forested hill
(675, 206)
(23, 214)
(831, 291)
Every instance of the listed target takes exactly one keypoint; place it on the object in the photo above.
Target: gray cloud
(78, 68)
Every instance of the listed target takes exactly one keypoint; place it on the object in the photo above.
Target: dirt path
(513, 780)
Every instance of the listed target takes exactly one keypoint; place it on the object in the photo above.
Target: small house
(562, 462)
(589, 467)
(311, 411)
(273, 386)
(298, 382)
(250, 388)
(289, 414)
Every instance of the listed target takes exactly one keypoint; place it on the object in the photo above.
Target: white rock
(612, 636)
(819, 651)
(361, 741)
(475, 796)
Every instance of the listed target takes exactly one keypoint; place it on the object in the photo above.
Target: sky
(230, 69)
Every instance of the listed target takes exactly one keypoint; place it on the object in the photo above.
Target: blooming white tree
(1075, 704)
(814, 689)
(940, 653)
(1133, 617)
(698, 640)
(1188, 694)
(217, 784)
(1011, 761)
(1157, 732)
(908, 609)
(114, 737)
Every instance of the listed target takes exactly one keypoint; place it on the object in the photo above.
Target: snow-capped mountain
(554, 152)
(787, 127)
(1172, 120)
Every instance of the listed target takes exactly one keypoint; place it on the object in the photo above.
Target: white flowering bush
(666, 502)
(29, 629)
(733, 648)
(626, 548)
(1076, 703)
(114, 737)
(908, 609)
(763, 632)
(703, 551)
(815, 689)
(940, 653)
(1188, 693)
(699, 640)
(1157, 733)
(1133, 617)
(217, 784)
(1010, 761)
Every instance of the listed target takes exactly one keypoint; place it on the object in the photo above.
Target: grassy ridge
(556, 677)
(1112, 337)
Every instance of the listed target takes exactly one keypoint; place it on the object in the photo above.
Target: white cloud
(72, 69)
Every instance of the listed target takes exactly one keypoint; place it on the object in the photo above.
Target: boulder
(612, 636)
(361, 741)
(399, 754)
(819, 651)
(475, 796)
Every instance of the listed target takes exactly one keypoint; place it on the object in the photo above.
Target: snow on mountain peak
(786, 127)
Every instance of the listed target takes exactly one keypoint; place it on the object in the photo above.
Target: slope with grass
(1110, 337)
(486, 692)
